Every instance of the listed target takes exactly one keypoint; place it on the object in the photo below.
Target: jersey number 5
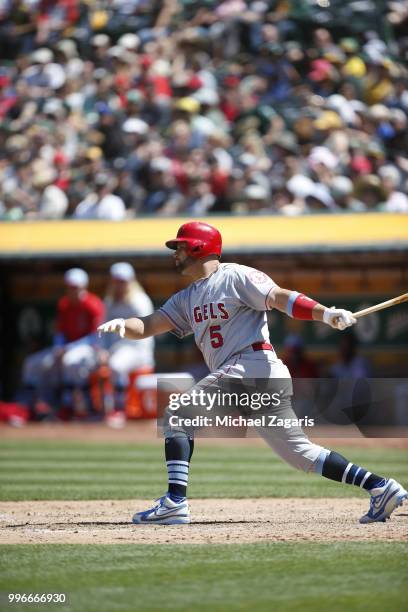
(216, 339)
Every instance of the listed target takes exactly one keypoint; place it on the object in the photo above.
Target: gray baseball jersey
(225, 312)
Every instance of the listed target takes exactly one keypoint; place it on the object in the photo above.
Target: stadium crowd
(110, 110)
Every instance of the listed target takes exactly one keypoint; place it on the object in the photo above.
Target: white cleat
(384, 500)
(166, 512)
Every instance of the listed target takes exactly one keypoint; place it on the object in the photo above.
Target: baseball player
(79, 313)
(225, 308)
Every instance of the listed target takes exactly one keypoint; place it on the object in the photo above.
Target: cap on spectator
(55, 74)
(188, 104)
(74, 101)
(256, 192)
(116, 51)
(390, 173)
(375, 49)
(328, 120)
(379, 112)
(355, 67)
(375, 149)
(111, 207)
(134, 96)
(16, 143)
(100, 40)
(122, 271)
(102, 178)
(349, 45)
(358, 106)
(342, 106)
(361, 164)
(160, 68)
(99, 74)
(208, 96)
(99, 19)
(323, 155)
(67, 47)
(103, 108)
(247, 159)
(321, 69)
(160, 164)
(335, 56)
(53, 106)
(129, 41)
(300, 185)
(393, 69)
(398, 115)
(341, 186)
(288, 141)
(42, 56)
(135, 126)
(123, 55)
(76, 277)
(93, 153)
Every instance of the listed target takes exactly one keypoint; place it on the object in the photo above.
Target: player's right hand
(116, 326)
(338, 318)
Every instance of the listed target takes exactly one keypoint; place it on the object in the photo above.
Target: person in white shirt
(102, 203)
(125, 299)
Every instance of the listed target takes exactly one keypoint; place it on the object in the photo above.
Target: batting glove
(116, 326)
(338, 318)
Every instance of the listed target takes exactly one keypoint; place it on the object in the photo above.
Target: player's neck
(203, 269)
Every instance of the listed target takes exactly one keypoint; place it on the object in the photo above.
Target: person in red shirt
(79, 312)
(67, 363)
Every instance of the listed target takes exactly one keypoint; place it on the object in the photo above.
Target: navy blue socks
(178, 451)
(336, 467)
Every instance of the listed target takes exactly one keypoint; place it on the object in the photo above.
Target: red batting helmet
(201, 239)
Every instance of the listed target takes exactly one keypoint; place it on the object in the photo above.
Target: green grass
(281, 576)
(70, 470)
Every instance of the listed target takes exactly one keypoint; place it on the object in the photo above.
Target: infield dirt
(214, 521)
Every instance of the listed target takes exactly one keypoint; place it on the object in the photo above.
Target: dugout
(350, 260)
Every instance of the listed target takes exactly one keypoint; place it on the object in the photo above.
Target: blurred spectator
(395, 200)
(302, 368)
(125, 298)
(114, 109)
(101, 203)
(65, 366)
(349, 363)
(295, 358)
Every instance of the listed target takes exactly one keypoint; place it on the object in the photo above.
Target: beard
(182, 266)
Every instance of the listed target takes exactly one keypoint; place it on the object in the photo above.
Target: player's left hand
(338, 318)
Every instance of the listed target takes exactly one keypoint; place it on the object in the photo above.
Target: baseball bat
(393, 302)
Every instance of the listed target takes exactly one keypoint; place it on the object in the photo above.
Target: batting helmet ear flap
(195, 250)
